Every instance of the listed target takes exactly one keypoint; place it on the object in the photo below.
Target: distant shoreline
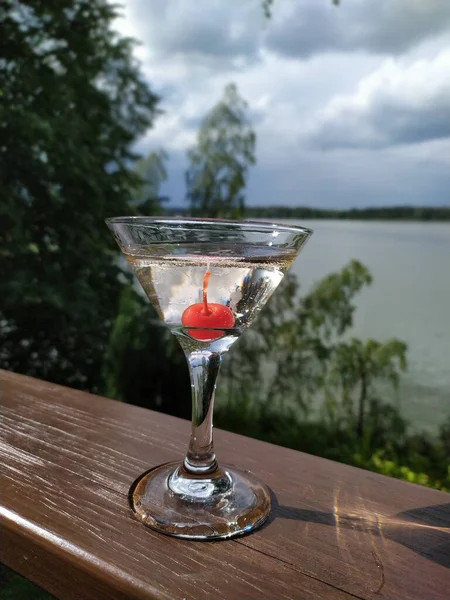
(382, 213)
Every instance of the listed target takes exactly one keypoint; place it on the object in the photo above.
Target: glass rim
(266, 226)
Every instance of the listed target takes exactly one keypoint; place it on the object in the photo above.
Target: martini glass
(207, 279)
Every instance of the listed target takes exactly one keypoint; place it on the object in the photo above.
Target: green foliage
(267, 8)
(152, 172)
(295, 345)
(219, 162)
(144, 364)
(394, 452)
(399, 471)
(15, 587)
(358, 365)
(318, 389)
(386, 213)
(268, 4)
(328, 308)
(73, 101)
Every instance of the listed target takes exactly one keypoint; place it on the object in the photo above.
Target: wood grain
(68, 459)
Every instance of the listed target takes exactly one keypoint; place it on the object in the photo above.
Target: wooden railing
(67, 461)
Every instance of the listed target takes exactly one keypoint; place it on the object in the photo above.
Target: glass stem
(203, 367)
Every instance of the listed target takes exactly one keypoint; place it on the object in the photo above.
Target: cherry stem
(206, 310)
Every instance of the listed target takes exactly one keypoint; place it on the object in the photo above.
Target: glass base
(223, 504)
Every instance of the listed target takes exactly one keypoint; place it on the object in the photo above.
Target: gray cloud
(395, 105)
(348, 96)
(207, 30)
(380, 26)
(340, 180)
(354, 178)
(233, 33)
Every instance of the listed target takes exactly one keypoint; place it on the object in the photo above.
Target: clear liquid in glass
(240, 278)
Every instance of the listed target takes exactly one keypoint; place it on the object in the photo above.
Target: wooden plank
(371, 534)
(68, 458)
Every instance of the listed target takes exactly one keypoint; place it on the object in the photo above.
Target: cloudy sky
(351, 105)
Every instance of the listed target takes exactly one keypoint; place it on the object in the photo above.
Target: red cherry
(207, 316)
(218, 316)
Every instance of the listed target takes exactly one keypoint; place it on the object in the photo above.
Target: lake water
(408, 299)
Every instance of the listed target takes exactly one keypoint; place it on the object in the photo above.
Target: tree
(297, 351)
(73, 102)
(358, 366)
(318, 391)
(268, 4)
(297, 336)
(328, 308)
(219, 163)
(144, 364)
(152, 172)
